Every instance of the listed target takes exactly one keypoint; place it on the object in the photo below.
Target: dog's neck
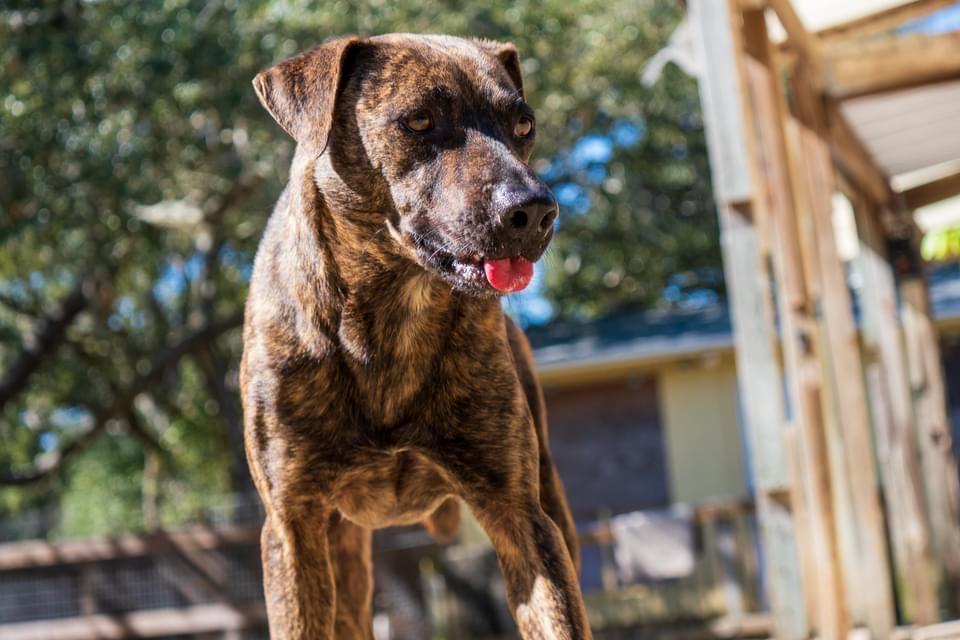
(362, 298)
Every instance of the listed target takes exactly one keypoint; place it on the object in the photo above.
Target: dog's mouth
(477, 272)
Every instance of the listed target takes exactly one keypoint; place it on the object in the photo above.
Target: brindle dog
(381, 381)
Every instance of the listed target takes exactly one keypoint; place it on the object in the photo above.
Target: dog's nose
(531, 218)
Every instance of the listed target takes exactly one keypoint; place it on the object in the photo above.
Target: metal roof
(658, 336)
(821, 14)
(906, 131)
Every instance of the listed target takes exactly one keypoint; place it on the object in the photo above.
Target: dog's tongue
(508, 274)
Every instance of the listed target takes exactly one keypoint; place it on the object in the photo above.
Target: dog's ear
(508, 56)
(300, 93)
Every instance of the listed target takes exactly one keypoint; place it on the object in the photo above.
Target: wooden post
(751, 303)
(87, 590)
(897, 449)
(939, 468)
(823, 568)
(761, 392)
(853, 440)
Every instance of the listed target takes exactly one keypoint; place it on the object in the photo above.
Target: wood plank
(802, 41)
(848, 528)
(744, 245)
(881, 21)
(721, 98)
(141, 624)
(802, 370)
(800, 510)
(859, 600)
(846, 368)
(943, 631)
(761, 393)
(38, 553)
(746, 550)
(897, 451)
(819, 111)
(853, 157)
(932, 192)
(933, 431)
(895, 63)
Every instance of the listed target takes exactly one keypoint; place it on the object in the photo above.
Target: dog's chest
(394, 347)
(394, 488)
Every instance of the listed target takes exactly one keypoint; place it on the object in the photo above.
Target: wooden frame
(784, 164)
(21, 555)
(880, 21)
(932, 192)
(198, 619)
(893, 63)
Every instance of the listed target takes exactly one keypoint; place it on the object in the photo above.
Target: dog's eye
(524, 127)
(419, 122)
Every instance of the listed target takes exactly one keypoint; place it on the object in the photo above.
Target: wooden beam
(745, 244)
(932, 192)
(897, 449)
(23, 555)
(933, 432)
(823, 568)
(852, 156)
(881, 21)
(805, 43)
(820, 112)
(943, 631)
(200, 619)
(895, 63)
(722, 100)
(853, 436)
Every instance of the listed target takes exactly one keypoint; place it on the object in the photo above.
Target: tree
(136, 174)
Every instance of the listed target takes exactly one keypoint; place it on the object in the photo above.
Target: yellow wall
(698, 411)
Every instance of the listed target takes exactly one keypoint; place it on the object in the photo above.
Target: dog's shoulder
(277, 330)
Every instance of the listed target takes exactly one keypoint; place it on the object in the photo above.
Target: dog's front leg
(542, 586)
(298, 578)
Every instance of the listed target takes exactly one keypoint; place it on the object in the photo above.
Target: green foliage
(941, 245)
(109, 106)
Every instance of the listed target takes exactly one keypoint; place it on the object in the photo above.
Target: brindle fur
(379, 389)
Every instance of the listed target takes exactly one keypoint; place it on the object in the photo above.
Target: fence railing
(722, 593)
(207, 579)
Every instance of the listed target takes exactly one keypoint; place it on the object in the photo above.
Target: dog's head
(433, 134)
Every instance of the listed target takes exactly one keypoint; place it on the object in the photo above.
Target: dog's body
(381, 381)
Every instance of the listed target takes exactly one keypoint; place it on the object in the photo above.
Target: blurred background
(735, 444)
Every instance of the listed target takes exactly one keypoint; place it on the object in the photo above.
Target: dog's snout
(530, 218)
(537, 215)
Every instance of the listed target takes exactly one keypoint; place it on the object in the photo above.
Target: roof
(893, 67)
(821, 14)
(631, 337)
(650, 337)
(909, 130)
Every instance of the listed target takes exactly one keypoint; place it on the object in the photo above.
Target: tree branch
(17, 306)
(146, 436)
(49, 333)
(215, 371)
(122, 402)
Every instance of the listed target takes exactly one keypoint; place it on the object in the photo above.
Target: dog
(381, 381)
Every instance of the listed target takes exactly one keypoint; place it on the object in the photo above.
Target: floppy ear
(508, 56)
(300, 93)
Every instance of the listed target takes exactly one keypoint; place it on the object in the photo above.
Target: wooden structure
(856, 485)
(205, 582)
(191, 582)
(719, 597)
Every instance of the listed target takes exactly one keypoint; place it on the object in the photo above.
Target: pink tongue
(509, 274)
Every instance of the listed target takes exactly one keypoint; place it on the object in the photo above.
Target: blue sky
(944, 21)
